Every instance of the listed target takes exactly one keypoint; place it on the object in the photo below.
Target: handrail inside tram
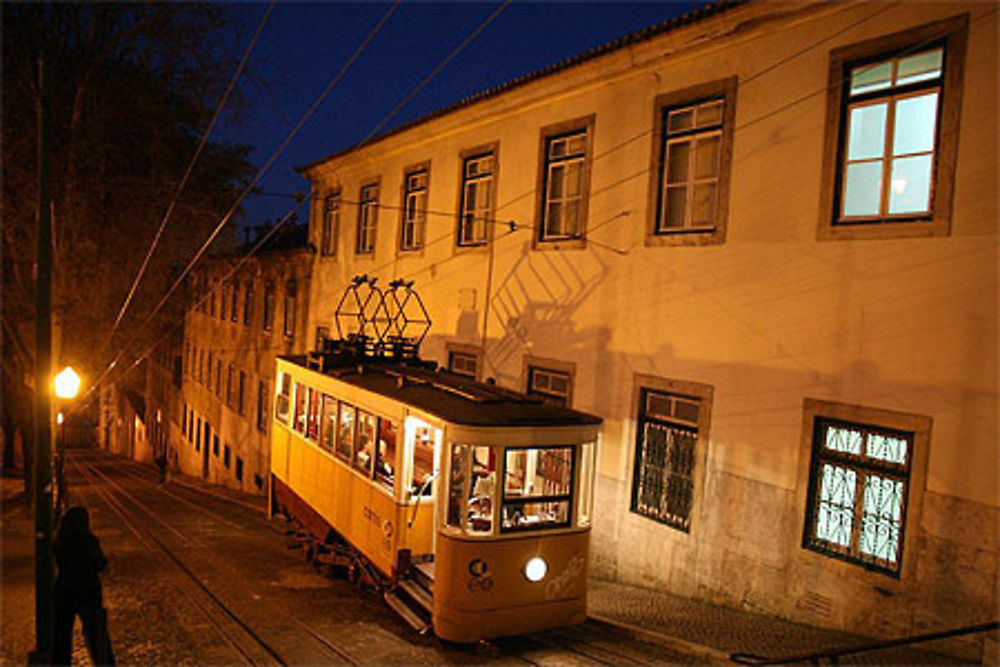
(420, 494)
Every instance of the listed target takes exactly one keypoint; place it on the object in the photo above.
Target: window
(894, 109)
(330, 225)
(184, 418)
(211, 304)
(322, 335)
(552, 386)
(345, 432)
(537, 488)
(247, 304)
(411, 230)
(312, 418)
(262, 409)
(365, 445)
(385, 453)
(201, 366)
(225, 456)
(328, 423)
(241, 394)
(208, 379)
(463, 363)
(300, 416)
(190, 433)
(258, 481)
(283, 400)
(234, 305)
(215, 444)
(218, 378)
(859, 489)
(197, 439)
(367, 218)
(564, 181)
(229, 386)
(239, 469)
(268, 306)
(667, 435)
(290, 297)
(223, 301)
(477, 203)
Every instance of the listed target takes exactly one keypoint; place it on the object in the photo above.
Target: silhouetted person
(78, 590)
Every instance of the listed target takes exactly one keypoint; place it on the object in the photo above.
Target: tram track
(211, 602)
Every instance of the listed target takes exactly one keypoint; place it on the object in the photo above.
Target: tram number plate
(480, 576)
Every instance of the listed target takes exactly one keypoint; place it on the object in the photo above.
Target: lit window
(563, 186)
(411, 235)
(331, 223)
(367, 219)
(666, 446)
(283, 400)
(537, 488)
(553, 387)
(478, 174)
(890, 137)
(858, 483)
(691, 167)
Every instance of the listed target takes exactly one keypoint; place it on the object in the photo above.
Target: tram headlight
(535, 569)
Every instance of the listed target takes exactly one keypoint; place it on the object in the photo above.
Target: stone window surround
(721, 88)
(408, 171)
(705, 392)
(549, 364)
(467, 349)
(328, 195)
(954, 32)
(587, 123)
(920, 426)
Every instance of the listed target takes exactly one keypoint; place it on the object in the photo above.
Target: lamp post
(67, 386)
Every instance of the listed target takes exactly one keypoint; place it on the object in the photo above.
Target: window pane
(871, 77)
(574, 179)
(366, 441)
(680, 120)
(556, 177)
(835, 511)
(677, 161)
(886, 448)
(538, 472)
(915, 124)
(328, 428)
(706, 157)
(456, 484)
(881, 519)
(423, 460)
(862, 194)
(920, 67)
(553, 221)
(867, 132)
(385, 461)
(676, 201)
(841, 439)
(577, 144)
(571, 223)
(345, 434)
(528, 516)
(911, 184)
(482, 488)
(703, 206)
(709, 114)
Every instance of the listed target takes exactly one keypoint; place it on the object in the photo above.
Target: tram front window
(538, 486)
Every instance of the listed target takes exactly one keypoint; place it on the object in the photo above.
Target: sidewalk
(710, 632)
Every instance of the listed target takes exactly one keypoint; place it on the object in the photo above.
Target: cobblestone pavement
(160, 540)
(716, 632)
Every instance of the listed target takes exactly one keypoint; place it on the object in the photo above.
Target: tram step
(423, 574)
(407, 613)
(419, 594)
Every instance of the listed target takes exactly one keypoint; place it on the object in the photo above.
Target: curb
(713, 655)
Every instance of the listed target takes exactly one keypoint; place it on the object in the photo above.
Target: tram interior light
(535, 569)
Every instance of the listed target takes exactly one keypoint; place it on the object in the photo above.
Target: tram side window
(299, 418)
(312, 421)
(538, 485)
(365, 444)
(458, 470)
(345, 434)
(423, 461)
(385, 455)
(281, 403)
(482, 490)
(328, 423)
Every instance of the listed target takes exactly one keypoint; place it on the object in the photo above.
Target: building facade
(244, 312)
(761, 243)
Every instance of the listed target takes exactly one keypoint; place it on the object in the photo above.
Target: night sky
(305, 43)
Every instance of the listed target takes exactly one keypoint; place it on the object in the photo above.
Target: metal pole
(44, 613)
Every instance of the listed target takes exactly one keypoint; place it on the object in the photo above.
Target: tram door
(422, 445)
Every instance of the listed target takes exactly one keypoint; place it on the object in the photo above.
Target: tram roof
(452, 397)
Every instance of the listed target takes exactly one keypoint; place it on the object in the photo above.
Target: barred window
(666, 445)
(414, 211)
(858, 484)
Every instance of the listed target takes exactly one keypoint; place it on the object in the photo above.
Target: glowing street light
(67, 383)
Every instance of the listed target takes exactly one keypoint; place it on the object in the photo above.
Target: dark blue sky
(305, 43)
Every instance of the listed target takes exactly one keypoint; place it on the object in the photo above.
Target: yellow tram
(467, 504)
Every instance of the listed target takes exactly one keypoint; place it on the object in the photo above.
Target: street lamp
(67, 383)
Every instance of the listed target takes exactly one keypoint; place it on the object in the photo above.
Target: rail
(834, 655)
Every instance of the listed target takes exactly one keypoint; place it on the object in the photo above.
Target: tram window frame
(299, 407)
(312, 414)
(344, 448)
(328, 426)
(478, 493)
(422, 444)
(522, 501)
(386, 479)
(359, 449)
(283, 398)
(458, 478)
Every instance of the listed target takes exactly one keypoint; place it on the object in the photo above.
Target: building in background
(245, 310)
(760, 242)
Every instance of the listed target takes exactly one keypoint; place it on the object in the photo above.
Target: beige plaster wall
(768, 318)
